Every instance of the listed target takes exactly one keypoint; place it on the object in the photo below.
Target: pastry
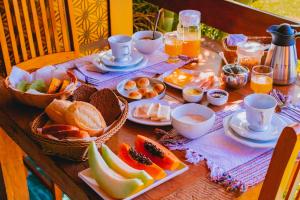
(56, 110)
(130, 85)
(143, 82)
(135, 95)
(143, 91)
(107, 102)
(83, 93)
(151, 94)
(158, 87)
(86, 117)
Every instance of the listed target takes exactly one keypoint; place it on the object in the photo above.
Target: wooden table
(15, 119)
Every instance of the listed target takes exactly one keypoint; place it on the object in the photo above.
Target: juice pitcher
(282, 55)
(189, 32)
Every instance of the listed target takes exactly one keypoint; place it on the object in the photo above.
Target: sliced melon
(119, 166)
(111, 182)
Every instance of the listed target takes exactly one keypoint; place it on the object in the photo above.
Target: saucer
(108, 59)
(245, 141)
(239, 124)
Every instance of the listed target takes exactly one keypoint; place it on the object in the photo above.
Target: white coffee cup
(259, 111)
(121, 47)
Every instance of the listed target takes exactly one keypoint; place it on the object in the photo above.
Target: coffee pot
(282, 55)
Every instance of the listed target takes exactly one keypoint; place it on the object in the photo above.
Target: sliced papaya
(54, 85)
(64, 85)
(138, 161)
(159, 154)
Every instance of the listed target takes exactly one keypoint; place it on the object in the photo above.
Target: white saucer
(108, 60)
(239, 124)
(104, 68)
(134, 104)
(248, 142)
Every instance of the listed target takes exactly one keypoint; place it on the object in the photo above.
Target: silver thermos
(282, 55)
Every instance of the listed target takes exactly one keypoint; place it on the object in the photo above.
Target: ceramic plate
(148, 122)
(240, 125)
(125, 93)
(108, 60)
(248, 142)
(86, 176)
(105, 68)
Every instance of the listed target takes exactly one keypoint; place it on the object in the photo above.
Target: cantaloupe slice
(54, 85)
(108, 180)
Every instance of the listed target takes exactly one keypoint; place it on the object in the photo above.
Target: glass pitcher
(189, 31)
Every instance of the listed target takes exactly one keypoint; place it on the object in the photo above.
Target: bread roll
(56, 110)
(143, 91)
(159, 87)
(151, 94)
(130, 85)
(135, 95)
(86, 117)
(143, 82)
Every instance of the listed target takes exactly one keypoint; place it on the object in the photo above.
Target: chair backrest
(31, 32)
(283, 178)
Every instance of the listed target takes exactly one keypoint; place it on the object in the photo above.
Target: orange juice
(261, 84)
(191, 48)
(173, 49)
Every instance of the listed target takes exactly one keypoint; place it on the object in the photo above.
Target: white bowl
(190, 129)
(217, 101)
(147, 46)
(192, 98)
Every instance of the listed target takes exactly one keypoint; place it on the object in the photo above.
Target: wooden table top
(15, 119)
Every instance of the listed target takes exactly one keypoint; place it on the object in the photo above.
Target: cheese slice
(142, 111)
(164, 113)
(154, 111)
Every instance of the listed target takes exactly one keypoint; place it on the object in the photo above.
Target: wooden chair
(35, 37)
(283, 178)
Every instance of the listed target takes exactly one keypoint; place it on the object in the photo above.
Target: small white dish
(248, 142)
(148, 122)
(191, 129)
(217, 97)
(240, 125)
(190, 97)
(87, 177)
(109, 60)
(147, 46)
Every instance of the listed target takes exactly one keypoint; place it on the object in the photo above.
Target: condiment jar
(249, 54)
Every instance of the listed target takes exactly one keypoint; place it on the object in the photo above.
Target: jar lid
(189, 17)
(250, 49)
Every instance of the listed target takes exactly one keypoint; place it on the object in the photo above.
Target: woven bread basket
(75, 150)
(230, 51)
(41, 100)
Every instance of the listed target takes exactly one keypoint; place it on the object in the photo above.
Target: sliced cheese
(154, 110)
(164, 113)
(142, 111)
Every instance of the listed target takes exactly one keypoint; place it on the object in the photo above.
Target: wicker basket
(75, 150)
(41, 100)
(230, 51)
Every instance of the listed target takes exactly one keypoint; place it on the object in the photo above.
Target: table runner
(231, 164)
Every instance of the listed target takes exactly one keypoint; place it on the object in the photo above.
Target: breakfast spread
(133, 169)
(153, 111)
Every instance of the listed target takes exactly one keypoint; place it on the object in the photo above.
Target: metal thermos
(282, 55)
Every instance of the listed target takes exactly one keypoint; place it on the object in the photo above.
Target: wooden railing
(229, 16)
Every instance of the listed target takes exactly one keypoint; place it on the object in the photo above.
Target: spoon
(221, 54)
(156, 22)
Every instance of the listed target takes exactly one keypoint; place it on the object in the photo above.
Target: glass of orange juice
(173, 47)
(261, 79)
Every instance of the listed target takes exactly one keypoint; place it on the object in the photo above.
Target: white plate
(85, 175)
(148, 122)
(108, 60)
(125, 93)
(105, 68)
(240, 125)
(167, 73)
(248, 142)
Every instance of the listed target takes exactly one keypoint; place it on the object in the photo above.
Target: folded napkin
(232, 164)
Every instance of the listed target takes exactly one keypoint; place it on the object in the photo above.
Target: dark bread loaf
(107, 102)
(83, 93)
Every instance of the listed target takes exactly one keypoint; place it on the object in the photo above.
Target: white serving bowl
(147, 46)
(191, 129)
(217, 101)
(192, 98)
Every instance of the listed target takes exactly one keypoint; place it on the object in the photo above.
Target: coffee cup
(121, 47)
(259, 111)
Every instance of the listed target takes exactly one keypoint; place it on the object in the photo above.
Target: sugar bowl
(235, 76)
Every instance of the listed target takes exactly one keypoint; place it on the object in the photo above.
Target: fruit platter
(133, 171)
